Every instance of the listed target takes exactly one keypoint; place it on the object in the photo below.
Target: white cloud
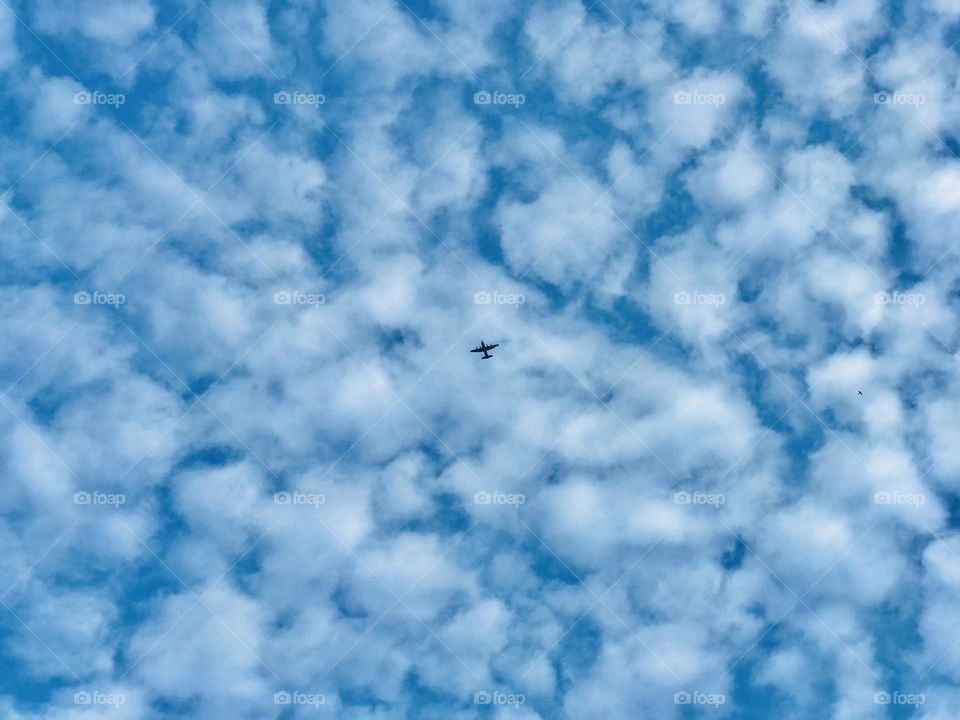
(117, 22)
(702, 332)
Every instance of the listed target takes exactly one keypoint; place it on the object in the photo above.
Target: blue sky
(251, 469)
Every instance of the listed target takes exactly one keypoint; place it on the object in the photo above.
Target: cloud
(252, 469)
(112, 22)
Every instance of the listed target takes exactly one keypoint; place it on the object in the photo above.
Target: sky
(250, 468)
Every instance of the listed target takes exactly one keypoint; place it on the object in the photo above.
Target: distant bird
(484, 348)
(861, 392)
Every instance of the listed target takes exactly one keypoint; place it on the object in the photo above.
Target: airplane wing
(477, 350)
(491, 347)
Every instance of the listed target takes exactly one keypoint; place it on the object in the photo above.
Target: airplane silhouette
(484, 348)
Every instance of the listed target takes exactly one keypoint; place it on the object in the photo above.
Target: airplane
(484, 348)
